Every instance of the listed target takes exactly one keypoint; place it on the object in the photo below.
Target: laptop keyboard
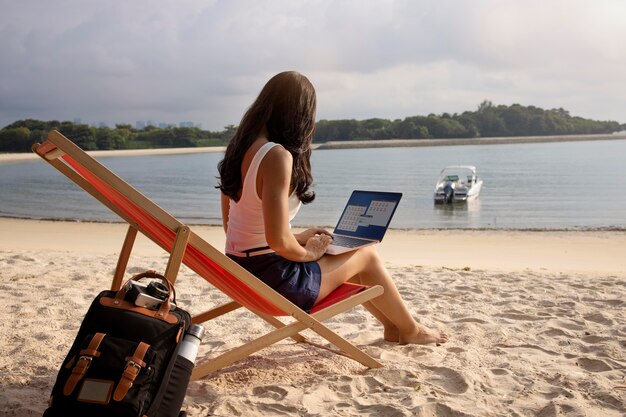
(347, 241)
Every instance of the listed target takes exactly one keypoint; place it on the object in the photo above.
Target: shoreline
(582, 229)
(592, 252)
(399, 143)
(356, 144)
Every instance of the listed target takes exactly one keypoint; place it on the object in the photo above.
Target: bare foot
(423, 336)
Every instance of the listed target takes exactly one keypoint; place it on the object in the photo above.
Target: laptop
(364, 220)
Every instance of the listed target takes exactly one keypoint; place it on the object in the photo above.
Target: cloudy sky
(120, 61)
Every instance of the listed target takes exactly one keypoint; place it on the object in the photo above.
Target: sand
(537, 323)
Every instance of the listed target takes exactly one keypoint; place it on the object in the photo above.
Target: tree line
(487, 120)
(19, 136)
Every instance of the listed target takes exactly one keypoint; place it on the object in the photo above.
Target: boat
(457, 183)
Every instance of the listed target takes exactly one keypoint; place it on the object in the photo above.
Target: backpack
(123, 361)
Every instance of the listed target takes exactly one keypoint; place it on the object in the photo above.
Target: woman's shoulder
(278, 154)
(276, 164)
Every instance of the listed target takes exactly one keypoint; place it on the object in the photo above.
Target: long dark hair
(286, 108)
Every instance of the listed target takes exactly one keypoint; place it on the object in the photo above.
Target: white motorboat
(457, 183)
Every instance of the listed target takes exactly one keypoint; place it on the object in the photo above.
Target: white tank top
(246, 229)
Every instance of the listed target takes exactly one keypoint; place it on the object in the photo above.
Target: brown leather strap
(133, 367)
(82, 364)
(125, 305)
(171, 292)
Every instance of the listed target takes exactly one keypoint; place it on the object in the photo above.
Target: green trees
(15, 139)
(109, 139)
(518, 120)
(19, 136)
(82, 135)
(488, 120)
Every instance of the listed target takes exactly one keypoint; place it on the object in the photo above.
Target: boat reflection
(466, 213)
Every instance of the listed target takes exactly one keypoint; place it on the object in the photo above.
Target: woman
(264, 177)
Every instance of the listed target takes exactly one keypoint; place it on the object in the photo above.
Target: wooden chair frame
(92, 176)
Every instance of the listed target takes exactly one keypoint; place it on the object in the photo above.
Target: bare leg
(391, 331)
(366, 267)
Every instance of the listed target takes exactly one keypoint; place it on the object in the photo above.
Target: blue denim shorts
(299, 282)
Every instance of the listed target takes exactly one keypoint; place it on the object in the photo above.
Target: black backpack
(123, 361)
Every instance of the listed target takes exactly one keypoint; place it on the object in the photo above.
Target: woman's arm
(225, 211)
(275, 177)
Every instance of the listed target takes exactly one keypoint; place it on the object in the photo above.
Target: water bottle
(181, 372)
(190, 343)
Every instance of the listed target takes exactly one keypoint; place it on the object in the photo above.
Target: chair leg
(213, 364)
(122, 261)
(279, 324)
(204, 368)
(177, 253)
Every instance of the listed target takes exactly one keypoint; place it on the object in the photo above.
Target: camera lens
(158, 290)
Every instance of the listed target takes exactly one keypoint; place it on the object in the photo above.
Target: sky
(205, 61)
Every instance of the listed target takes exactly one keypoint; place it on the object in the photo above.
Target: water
(543, 185)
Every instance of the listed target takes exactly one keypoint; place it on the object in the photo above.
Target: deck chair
(186, 247)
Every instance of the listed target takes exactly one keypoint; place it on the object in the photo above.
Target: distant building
(77, 120)
(102, 125)
(141, 125)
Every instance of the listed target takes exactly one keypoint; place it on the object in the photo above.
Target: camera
(149, 296)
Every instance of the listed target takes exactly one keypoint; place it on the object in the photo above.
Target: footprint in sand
(554, 332)
(378, 410)
(599, 318)
(569, 325)
(556, 392)
(612, 303)
(448, 379)
(593, 365)
(499, 371)
(497, 379)
(437, 409)
(20, 257)
(556, 409)
(470, 289)
(274, 392)
(470, 320)
(456, 350)
(596, 339)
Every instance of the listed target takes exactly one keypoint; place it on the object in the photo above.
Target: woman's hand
(316, 246)
(304, 237)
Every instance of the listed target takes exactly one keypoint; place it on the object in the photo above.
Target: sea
(545, 186)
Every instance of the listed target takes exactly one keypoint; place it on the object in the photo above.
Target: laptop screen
(368, 214)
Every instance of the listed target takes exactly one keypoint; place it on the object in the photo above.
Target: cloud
(206, 60)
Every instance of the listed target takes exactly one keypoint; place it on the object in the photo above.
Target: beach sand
(537, 323)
